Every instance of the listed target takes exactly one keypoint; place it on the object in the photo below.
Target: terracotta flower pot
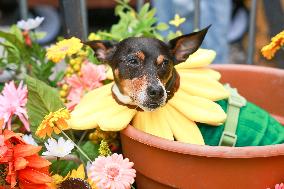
(164, 164)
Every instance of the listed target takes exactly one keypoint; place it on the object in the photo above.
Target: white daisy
(58, 149)
(30, 23)
(29, 140)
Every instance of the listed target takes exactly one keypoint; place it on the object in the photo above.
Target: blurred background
(228, 35)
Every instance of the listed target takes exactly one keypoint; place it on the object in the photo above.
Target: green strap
(235, 102)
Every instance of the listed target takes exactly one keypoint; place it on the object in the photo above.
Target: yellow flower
(66, 47)
(77, 174)
(53, 122)
(177, 21)
(104, 149)
(57, 179)
(94, 36)
(178, 33)
(269, 50)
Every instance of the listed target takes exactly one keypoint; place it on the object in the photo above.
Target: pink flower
(12, 102)
(112, 172)
(91, 77)
(279, 186)
(74, 98)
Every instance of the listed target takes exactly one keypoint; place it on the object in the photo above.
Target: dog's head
(143, 67)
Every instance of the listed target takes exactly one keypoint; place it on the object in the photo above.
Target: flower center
(112, 172)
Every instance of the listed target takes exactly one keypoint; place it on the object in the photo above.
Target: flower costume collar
(192, 102)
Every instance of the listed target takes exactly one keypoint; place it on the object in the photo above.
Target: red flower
(27, 38)
(25, 167)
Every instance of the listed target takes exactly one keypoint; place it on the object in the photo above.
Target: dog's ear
(103, 49)
(185, 45)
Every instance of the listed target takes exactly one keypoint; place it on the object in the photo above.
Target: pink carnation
(91, 77)
(112, 172)
(12, 102)
(279, 186)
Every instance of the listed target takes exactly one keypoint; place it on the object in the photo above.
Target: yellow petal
(109, 73)
(92, 98)
(201, 58)
(153, 123)
(198, 109)
(83, 123)
(79, 173)
(117, 121)
(184, 130)
(89, 116)
(203, 86)
(200, 71)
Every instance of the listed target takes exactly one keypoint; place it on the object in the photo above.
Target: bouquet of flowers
(37, 150)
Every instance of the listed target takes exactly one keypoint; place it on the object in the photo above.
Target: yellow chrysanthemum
(94, 36)
(276, 43)
(53, 122)
(193, 102)
(177, 21)
(66, 47)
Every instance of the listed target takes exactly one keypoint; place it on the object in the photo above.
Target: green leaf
(150, 14)
(42, 99)
(39, 35)
(144, 10)
(91, 149)
(18, 33)
(13, 40)
(62, 167)
(162, 26)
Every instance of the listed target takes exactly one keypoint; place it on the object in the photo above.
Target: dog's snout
(155, 92)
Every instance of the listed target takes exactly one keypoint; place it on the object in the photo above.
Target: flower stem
(82, 137)
(57, 159)
(79, 149)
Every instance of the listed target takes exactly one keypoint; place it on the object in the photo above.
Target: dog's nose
(155, 92)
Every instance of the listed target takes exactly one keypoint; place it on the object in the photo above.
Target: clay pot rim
(248, 68)
(200, 150)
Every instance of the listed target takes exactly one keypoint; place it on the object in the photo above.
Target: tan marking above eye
(160, 59)
(140, 55)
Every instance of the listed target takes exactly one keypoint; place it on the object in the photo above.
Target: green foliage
(42, 99)
(14, 49)
(134, 24)
(91, 149)
(62, 167)
(23, 58)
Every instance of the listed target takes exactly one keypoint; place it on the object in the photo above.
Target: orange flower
(276, 43)
(53, 122)
(25, 167)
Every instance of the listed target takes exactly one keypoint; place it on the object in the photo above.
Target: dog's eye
(133, 61)
(165, 62)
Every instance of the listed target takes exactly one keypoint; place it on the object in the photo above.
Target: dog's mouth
(151, 106)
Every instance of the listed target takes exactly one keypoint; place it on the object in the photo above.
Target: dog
(143, 68)
(145, 78)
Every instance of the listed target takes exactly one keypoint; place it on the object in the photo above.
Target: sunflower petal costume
(195, 114)
(193, 102)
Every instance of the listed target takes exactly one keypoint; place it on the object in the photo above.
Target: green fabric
(256, 127)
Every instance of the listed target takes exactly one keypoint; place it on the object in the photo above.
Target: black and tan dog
(145, 77)
(143, 67)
